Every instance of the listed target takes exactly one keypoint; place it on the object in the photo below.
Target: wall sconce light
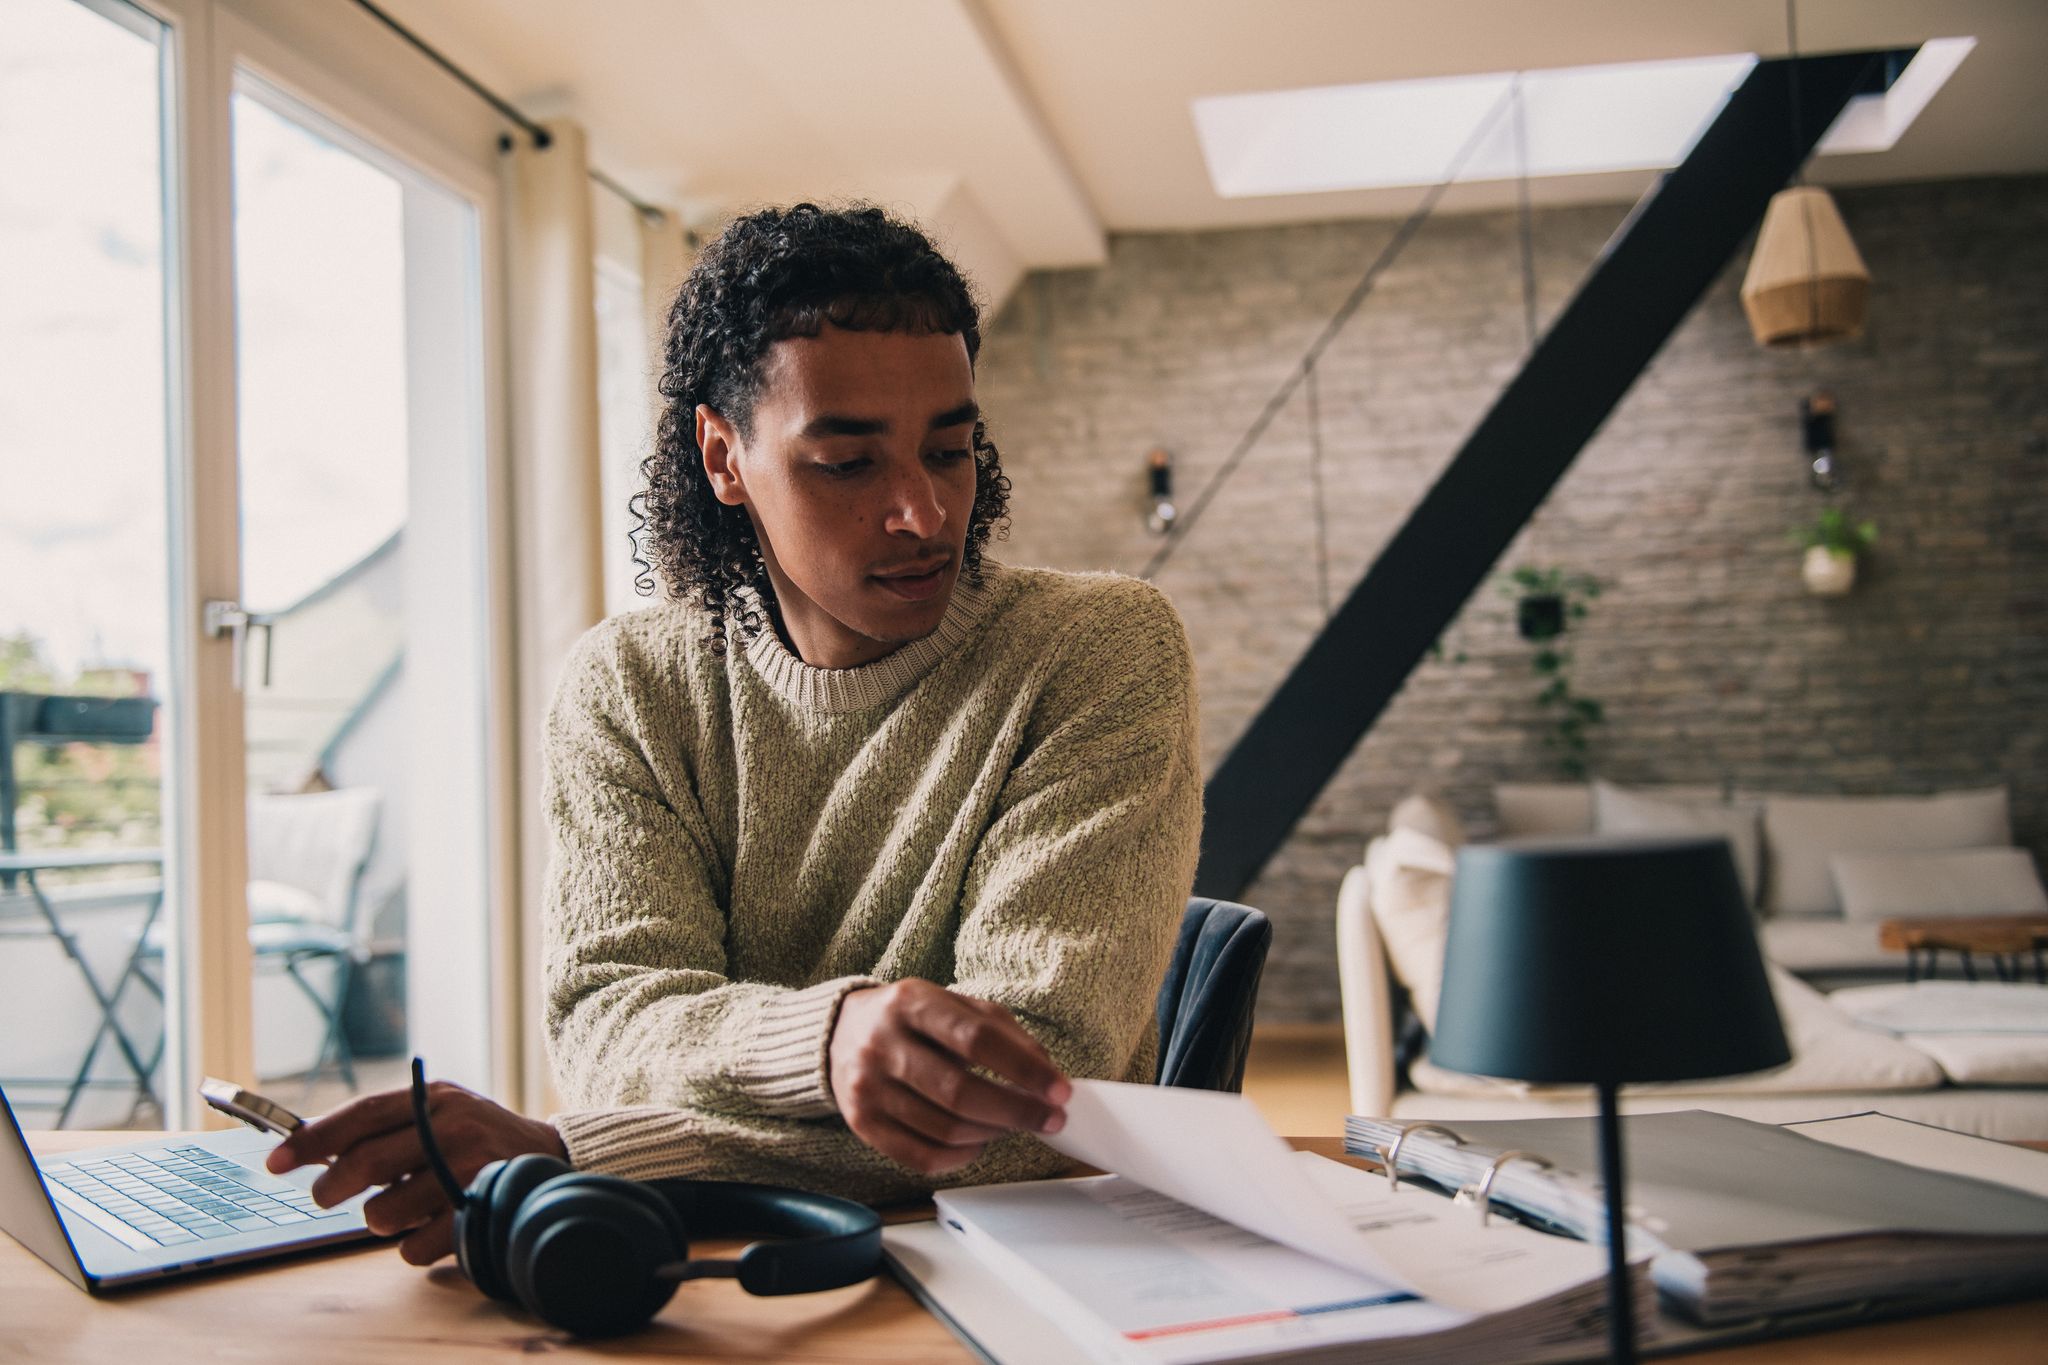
(1160, 511)
(1817, 431)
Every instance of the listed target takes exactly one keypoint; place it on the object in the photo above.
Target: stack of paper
(1216, 1242)
(1751, 1220)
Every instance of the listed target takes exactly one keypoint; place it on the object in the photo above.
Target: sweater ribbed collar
(839, 690)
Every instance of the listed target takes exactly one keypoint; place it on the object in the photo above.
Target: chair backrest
(1206, 1002)
(319, 842)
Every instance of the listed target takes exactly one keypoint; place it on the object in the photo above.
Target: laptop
(107, 1217)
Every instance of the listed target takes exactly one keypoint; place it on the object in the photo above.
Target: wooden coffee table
(2006, 939)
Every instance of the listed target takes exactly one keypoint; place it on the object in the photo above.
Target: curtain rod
(510, 113)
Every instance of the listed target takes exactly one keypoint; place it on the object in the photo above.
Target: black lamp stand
(1621, 1316)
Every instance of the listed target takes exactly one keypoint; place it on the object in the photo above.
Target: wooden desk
(363, 1303)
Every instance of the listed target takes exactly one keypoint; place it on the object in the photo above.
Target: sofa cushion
(1964, 881)
(1818, 946)
(1986, 1058)
(1830, 1053)
(1429, 815)
(1618, 810)
(1981, 1032)
(1534, 809)
(1802, 833)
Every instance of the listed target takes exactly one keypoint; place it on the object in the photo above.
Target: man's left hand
(371, 1141)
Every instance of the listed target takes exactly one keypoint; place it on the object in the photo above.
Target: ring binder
(1480, 1193)
(1390, 1155)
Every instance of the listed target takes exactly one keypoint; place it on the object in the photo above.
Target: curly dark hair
(771, 275)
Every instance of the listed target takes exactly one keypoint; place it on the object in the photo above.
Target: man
(864, 844)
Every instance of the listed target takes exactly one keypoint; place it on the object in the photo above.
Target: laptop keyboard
(187, 1194)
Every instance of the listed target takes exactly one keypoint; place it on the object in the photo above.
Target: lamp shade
(1605, 962)
(1806, 280)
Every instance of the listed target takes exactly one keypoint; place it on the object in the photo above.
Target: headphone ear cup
(493, 1204)
(583, 1253)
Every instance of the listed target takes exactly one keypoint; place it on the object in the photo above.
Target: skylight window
(1577, 120)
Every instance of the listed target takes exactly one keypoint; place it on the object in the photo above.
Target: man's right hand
(900, 1058)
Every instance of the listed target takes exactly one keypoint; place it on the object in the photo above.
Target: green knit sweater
(1009, 807)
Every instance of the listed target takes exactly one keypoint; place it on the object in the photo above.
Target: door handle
(228, 618)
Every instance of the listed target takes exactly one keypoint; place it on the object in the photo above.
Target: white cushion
(1409, 879)
(1987, 1058)
(1980, 1032)
(1926, 1007)
(1619, 810)
(1429, 815)
(318, 842)
(1968, 881)
(1829, 944)
(1532, 808)
(1830, 1053)
(1802, 833)
(270, 901)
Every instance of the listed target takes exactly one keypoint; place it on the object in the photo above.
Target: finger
(931, 1123)
(363, 1117)
(430, 1243)
(899, 1144)
(943, 1079)
(988, 1038)
(1061, 1087)
(376, 1161)
(409, 1203)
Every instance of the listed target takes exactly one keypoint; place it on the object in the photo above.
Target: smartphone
(251, 1108)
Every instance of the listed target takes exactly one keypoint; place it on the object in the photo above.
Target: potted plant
(1832, 544)
(1547, 603)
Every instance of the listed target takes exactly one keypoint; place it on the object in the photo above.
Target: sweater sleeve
(639, 1010)
(1076, 891)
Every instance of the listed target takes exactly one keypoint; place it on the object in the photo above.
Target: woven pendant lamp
(1806, 283)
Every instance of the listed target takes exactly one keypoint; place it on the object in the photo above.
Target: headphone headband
(835, 1242)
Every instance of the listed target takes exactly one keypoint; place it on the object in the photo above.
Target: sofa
(1821, 873)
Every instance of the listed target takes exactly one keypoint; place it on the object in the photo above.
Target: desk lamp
(1604, 962)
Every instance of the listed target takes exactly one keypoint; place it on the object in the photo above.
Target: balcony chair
(307, 854)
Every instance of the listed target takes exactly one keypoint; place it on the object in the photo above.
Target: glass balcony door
(270, 528)
(88, 692)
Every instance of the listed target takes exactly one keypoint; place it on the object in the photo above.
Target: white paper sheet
(1215, 1152)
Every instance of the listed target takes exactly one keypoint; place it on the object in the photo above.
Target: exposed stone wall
(1712, 662)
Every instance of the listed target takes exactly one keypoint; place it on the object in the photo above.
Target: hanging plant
(1832, 544)
(1548, 602)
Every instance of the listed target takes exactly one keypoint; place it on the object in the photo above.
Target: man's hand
(371, 1141)
(900, 1059)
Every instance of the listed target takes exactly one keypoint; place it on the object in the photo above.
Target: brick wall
(1712, 662)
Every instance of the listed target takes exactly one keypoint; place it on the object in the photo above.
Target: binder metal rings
(1390, 1154)
(1481, 1194)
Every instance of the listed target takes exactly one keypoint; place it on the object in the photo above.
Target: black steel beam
(1646, 280)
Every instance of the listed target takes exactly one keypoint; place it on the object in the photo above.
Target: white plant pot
(1828, 573)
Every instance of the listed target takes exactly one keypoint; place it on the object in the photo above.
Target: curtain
(557, 571)
(665, 257)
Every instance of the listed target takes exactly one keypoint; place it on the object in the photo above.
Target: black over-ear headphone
(598, 1255)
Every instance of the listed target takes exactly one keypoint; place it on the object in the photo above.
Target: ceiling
(1031, 128)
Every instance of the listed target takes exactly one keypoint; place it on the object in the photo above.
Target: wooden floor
(1296, 1077)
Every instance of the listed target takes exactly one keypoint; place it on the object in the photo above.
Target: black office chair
(1205, 1004)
